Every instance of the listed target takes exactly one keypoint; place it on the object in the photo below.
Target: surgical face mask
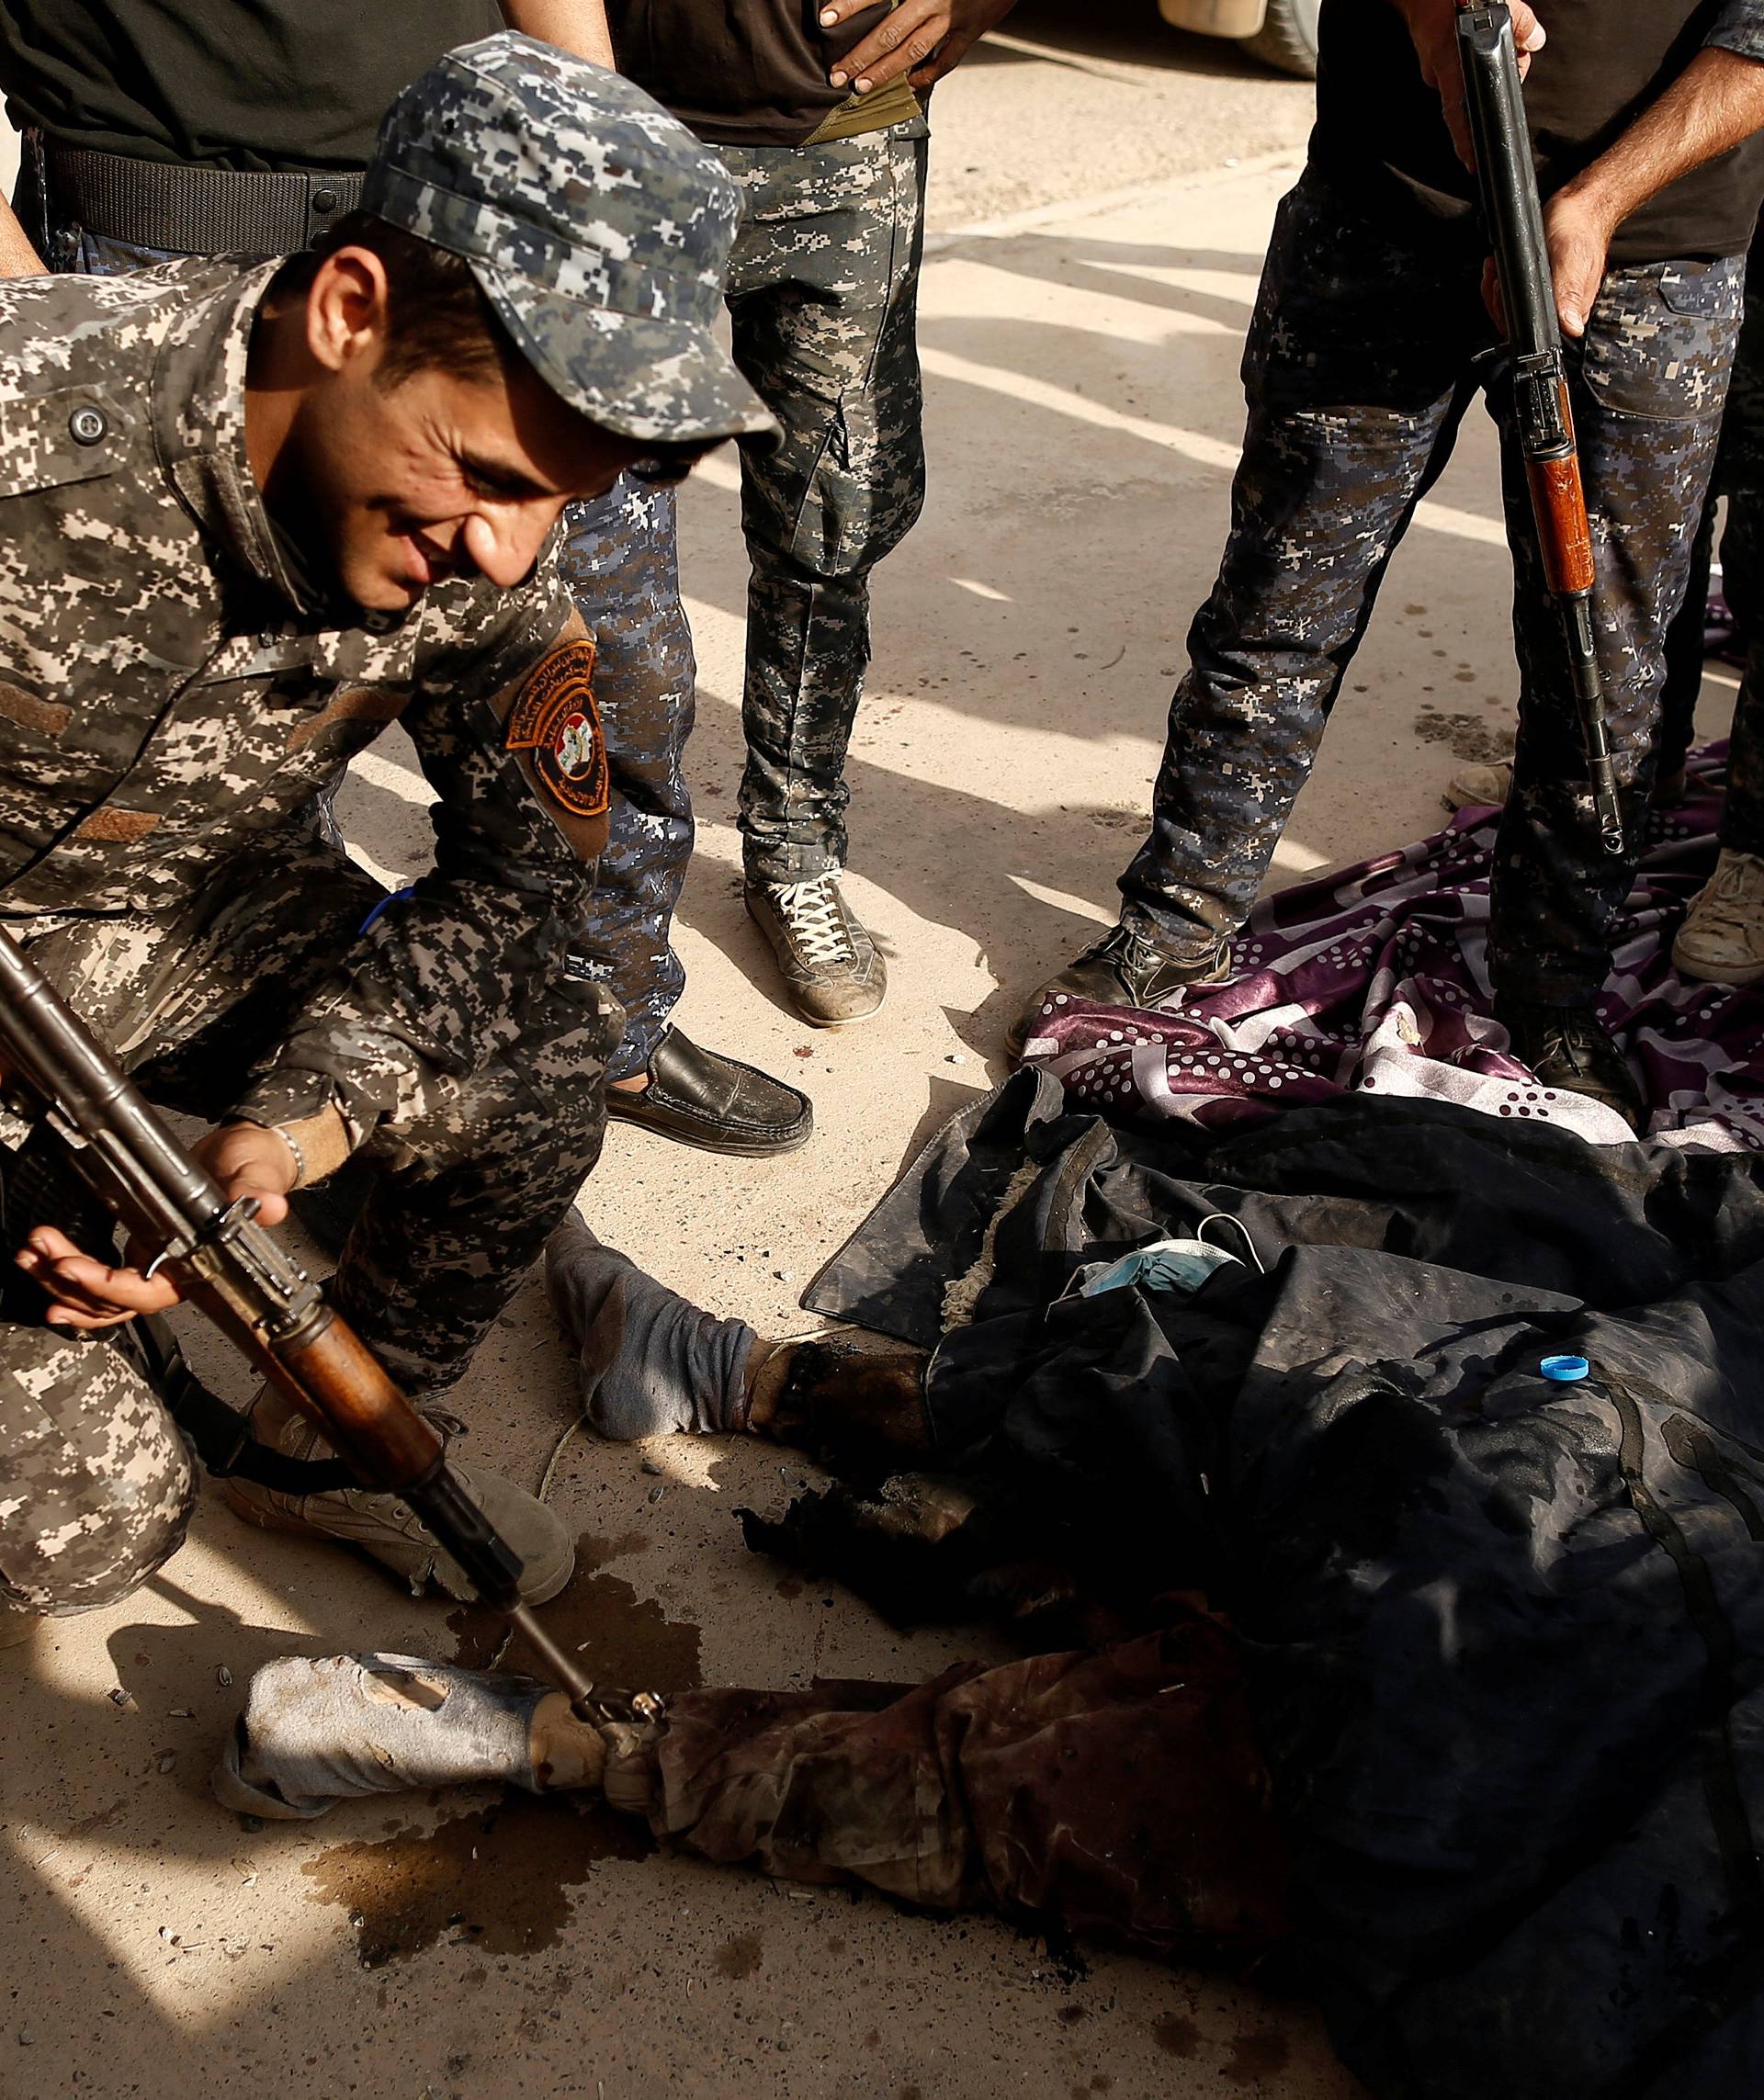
(1167, 1265)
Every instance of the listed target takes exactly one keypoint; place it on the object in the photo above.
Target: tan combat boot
(1480, 787)
(388, 1529)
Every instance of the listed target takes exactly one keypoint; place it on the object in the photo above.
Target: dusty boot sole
(1717, 972)
(271, 1519)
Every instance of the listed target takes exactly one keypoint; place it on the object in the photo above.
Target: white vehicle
(1281, 32)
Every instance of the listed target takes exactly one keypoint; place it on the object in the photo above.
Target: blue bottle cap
(1564, 1369)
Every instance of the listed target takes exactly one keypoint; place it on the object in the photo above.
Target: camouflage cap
(597, 225)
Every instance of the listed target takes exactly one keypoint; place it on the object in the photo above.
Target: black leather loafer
(700, 1097)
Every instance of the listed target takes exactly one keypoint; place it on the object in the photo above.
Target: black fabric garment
(250, 84)
(1614, 1224)
(740, 72)
(1505, 1637)
(1380, 129)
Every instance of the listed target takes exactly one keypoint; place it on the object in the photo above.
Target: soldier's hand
(1433, 30)
(921, 38)
(1578, 229)
(86, 1295)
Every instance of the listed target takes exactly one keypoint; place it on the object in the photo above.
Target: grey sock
(326, 1728)
(652, 1362)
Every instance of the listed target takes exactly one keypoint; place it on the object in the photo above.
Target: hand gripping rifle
(52, 1067)
(1513, 218)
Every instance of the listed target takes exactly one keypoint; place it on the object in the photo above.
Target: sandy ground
(1083, 412)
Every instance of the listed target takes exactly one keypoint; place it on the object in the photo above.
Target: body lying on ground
(1480, 1745)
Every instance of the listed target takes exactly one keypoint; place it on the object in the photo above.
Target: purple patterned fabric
(1377, 978)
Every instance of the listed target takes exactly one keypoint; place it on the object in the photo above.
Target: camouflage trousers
(822, 290)
(620, 564)
(93, 1482)
(1739, 475)
(1359, 371)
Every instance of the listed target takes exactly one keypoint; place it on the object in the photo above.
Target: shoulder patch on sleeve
(555, 720)
(47, 441)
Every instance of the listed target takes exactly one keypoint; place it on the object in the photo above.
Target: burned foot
(910, 1549)
(846, 1399)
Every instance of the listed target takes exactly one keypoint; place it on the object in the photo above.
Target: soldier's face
(435, 475)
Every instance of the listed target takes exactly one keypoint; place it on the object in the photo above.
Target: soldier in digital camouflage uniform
(822, 296)
(239, 539)
(254, 174)
(1359, 366)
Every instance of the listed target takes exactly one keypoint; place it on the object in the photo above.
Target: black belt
(192, 210)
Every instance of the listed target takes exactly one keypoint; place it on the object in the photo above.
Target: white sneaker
(1721, 940)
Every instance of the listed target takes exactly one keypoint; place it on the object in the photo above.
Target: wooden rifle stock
(1559, 506)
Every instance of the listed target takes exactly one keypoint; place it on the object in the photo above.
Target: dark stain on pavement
(1256, 2056)
(618, 1637)
(498, 1881)
(100, 1819)
(1464, 736)
(1176, 2035)
(501, 1878)
(740, 1955)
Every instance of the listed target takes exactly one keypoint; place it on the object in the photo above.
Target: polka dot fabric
(1377, 978)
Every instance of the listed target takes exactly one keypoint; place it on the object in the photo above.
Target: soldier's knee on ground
(97, 1484)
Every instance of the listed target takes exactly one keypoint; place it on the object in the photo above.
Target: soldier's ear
(347, 308)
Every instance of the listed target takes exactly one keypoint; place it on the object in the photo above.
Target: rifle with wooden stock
(1512, 216)
(178, 1217)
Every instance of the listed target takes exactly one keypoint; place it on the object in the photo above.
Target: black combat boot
(1128, 967)
(1570, 1048)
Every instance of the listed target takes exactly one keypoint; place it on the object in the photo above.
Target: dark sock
(652, 1362)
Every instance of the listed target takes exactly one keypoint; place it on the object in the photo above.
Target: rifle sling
(224, 1443)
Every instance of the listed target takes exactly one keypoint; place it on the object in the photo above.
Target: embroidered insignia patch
(555, 719)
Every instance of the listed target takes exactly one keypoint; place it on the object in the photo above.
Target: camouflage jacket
(168, 695)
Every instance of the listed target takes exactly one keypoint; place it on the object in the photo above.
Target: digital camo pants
(822, 292)
(823, 287)
(94, 1483)
(1359, 371)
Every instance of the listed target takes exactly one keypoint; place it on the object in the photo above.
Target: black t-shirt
(1380, 129)
(229, 84)
(742, 73)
